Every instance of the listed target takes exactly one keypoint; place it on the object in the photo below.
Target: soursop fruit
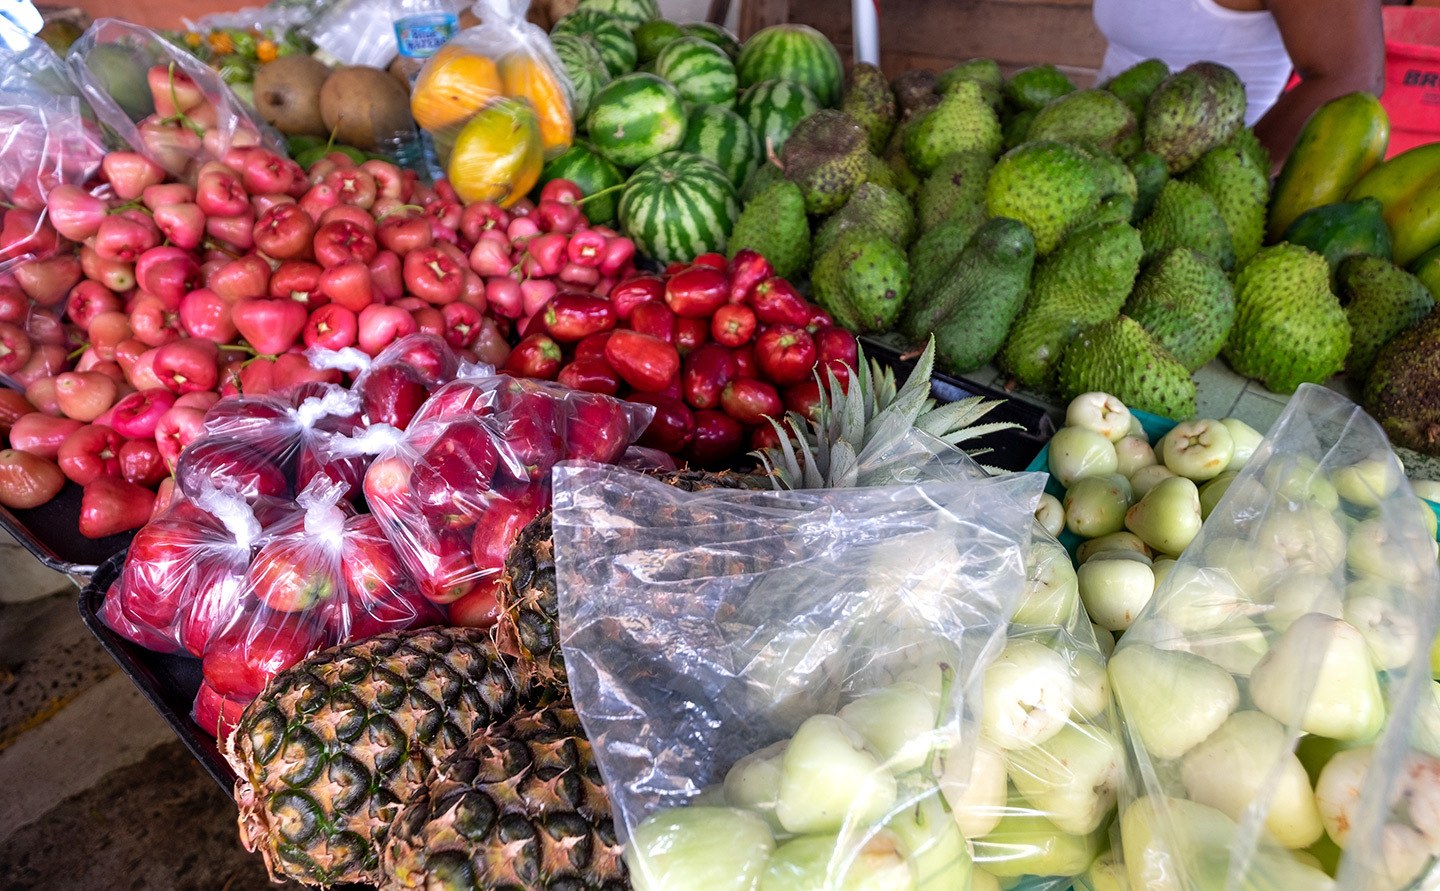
(870, 101)
(1119, 357)
(902, 178)
(962, 122)
(1289, 328)
(956, 188)
(775, 224)
(1036, 87)
(985, 72)
(862, 281)
(1186, 302)
(1192, 112)
(1241, 192)
(762, 178)
(872, 208)
(1084, 282)
(1097, 117)
(1186, 216)
(1048, 186)
(915, 91)
(1111, 174)
(1150, 175)
(879, 173)
(1403, 392)
(1381, 300)
(936, 250)
(1111, 209)
(1134, 85)
(1246, 141)
(1015, 128)
(826, 156)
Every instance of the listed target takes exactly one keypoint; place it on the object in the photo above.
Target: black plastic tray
(168, 681)
(51, 532)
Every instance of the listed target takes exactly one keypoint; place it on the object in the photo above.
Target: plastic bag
(474, 467)
(395, 383)
(712, 639)
(356, 32)
(1271, 688)
(161, 100)
(270, 445)
(502, 86)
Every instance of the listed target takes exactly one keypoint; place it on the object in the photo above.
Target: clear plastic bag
(395, 383)
(474, 467)
(161, 100)
(502, 69)
(783, 688)
(1271, 688)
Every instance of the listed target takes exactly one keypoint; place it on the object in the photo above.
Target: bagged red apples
(1276, 691)
(778, 684)
(474, 468)
(184, 114)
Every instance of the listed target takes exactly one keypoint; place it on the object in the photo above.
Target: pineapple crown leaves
(856, 430)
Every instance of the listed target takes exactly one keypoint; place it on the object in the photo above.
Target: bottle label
(420, 36)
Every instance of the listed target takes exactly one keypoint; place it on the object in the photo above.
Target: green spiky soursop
(1015, 128)
(1289, 327)
(870, 101)
(1048, 186)
(1246, 141)
(1241, 192)
(762, 178)
(1097, 117)
(879, 173)
(1119, 357)
(914, 90)
(826, 156)
(956, 188)
(1036, 87)
(1134, 85)
(903, 178)
(775, 224)
(1186, 302)
(1150, 175)
(936, 250)
(862, 281)
(1186, 216)
(971, 310)
(1403, 392)
(1192, 112)
(1381, 300)
(962, 122)
(1111, 174)
(1111, 209)
(985, 72)
(1084, 282)
(872, 208)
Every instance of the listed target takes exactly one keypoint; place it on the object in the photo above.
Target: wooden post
(757, 14)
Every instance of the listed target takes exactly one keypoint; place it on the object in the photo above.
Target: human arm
(1337, 47)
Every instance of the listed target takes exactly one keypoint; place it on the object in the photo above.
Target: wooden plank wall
(938, 33)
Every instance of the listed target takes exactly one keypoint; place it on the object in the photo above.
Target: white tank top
(1181, 32)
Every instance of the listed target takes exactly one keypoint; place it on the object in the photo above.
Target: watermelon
(585, 67)
(636, 117)
(723, 136)
(652, 37)
(797, 53)
(701, 71)
(584, 167)
(608, 34)
(633, 13)
(716, 34)
(772, 108)
(678, 206)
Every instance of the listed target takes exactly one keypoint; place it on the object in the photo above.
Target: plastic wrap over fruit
(783, 689)
(498, 102)
(162, 101)
(393, 384)
(269, 445)
(474, 468)
(47, 139)
(1276, 692)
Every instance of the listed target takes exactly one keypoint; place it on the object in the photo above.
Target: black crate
(52, 533)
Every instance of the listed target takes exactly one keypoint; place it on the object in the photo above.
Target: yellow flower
(192, 39)
(221, 43)
(266, 51)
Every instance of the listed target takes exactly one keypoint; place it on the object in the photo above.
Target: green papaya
(1337, 146)
(1344, 229)
(1427, 269)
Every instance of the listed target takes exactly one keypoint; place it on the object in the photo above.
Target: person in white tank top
(1336, 46)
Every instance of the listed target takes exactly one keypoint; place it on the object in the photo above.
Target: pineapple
(522, 805)
(333, 746)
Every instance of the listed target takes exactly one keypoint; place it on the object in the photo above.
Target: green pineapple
(522, 805)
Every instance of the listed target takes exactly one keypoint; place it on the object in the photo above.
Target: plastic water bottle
(421, 28)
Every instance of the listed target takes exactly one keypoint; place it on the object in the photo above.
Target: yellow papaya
(498, 154)
(1408, 186)
(1340, 142)
(525, 77)
(454, 84)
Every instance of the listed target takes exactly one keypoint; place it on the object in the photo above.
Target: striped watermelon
(701, 71)
(585, 67)
(633, 13)
(797, 53)
(716, 34)
(652, 37)
(723, 136)
(584, 166)
(608, 34)
(772, 108)
(678, 206)
(635, 118)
